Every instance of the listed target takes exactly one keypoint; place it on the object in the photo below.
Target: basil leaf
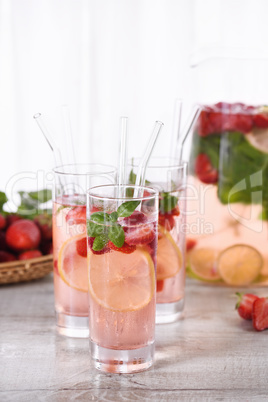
(127, 208)
(41, 195)
(3, 200)
(113, 216)
(100, 242)
(100, 217)
(117, 235)
(167, 202)
(94, 230)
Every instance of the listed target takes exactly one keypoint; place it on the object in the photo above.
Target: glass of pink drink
(122, 242)
(70, 245)
(169, 178)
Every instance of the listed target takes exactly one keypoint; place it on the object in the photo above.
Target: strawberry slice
(81, 247)
(135, 218)
(204, 169)
(167, 221)
(244, 305)
(76, 215)
(159, 285)
(126, 248)
(105, 249)
(190, 244)
(261, 120)
(260, 314)
(141, 234)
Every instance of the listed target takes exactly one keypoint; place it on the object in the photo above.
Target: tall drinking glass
(168, 176)
(122, 241)
(69, 243)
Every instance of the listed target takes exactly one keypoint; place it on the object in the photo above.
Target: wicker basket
(27, 270)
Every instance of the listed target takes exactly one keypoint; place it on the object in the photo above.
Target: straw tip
(36, 115)
(159, 122)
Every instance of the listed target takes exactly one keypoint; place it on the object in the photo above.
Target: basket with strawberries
(25, 238)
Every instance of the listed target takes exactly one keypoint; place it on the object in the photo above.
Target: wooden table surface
(211, 354)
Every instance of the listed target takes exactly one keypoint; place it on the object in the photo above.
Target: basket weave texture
(27, 270)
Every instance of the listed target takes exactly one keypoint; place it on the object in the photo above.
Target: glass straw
(56, 152)
(175, 127)
(122, 154)
(187, 129)
(140, 179)
(68, 135)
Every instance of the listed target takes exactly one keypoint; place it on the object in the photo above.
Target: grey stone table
(211, 354)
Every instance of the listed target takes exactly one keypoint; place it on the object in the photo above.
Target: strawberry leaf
(127, 208)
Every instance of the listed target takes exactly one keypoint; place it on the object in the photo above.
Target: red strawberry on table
(12, 218)
(126, 248)
(81, 247)
(27, 255)
(204, 169)
(76, 215)
(260, 314)
(6, 256)
(23, 235)
(244, 305)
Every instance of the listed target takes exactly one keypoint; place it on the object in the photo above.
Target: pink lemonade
(170, 256)
(122, 246)
(70, 256)
(228, 196)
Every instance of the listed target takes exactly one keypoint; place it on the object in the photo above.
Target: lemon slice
(72, 267)
(239, 265)
(122, 282)
(203, 264)
(168, 256)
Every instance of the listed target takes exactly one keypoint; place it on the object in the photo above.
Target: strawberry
(27, 255)
(204, 169)
(135, 218)
(6, 256)
(261, 120)
(76, 215)
(190, 243)
(23, 235)
(204, 125)
(2, 222)
(12, 218)
(126, 248)
(245, 304)
(44, 222)
(175, 211)
(141, 234)
(159, 285)
(105, 249)
(46, 247)
(260, 314)
(167, 221)
(81, 247)
(56, 269)
(3, 245)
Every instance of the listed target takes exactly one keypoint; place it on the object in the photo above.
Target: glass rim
(153, 191)
(176, 164)
(59, 169)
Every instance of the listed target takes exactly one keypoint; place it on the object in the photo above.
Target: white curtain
(105, 59)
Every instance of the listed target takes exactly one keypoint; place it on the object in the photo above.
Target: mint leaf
(94, 229)
(100, 242)
(3, 200)
(117, 235)
(100, 217)
(41, 195)
(113, 216)
(167, 202)
(127, 208)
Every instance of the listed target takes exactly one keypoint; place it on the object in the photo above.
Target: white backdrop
(105, 59)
